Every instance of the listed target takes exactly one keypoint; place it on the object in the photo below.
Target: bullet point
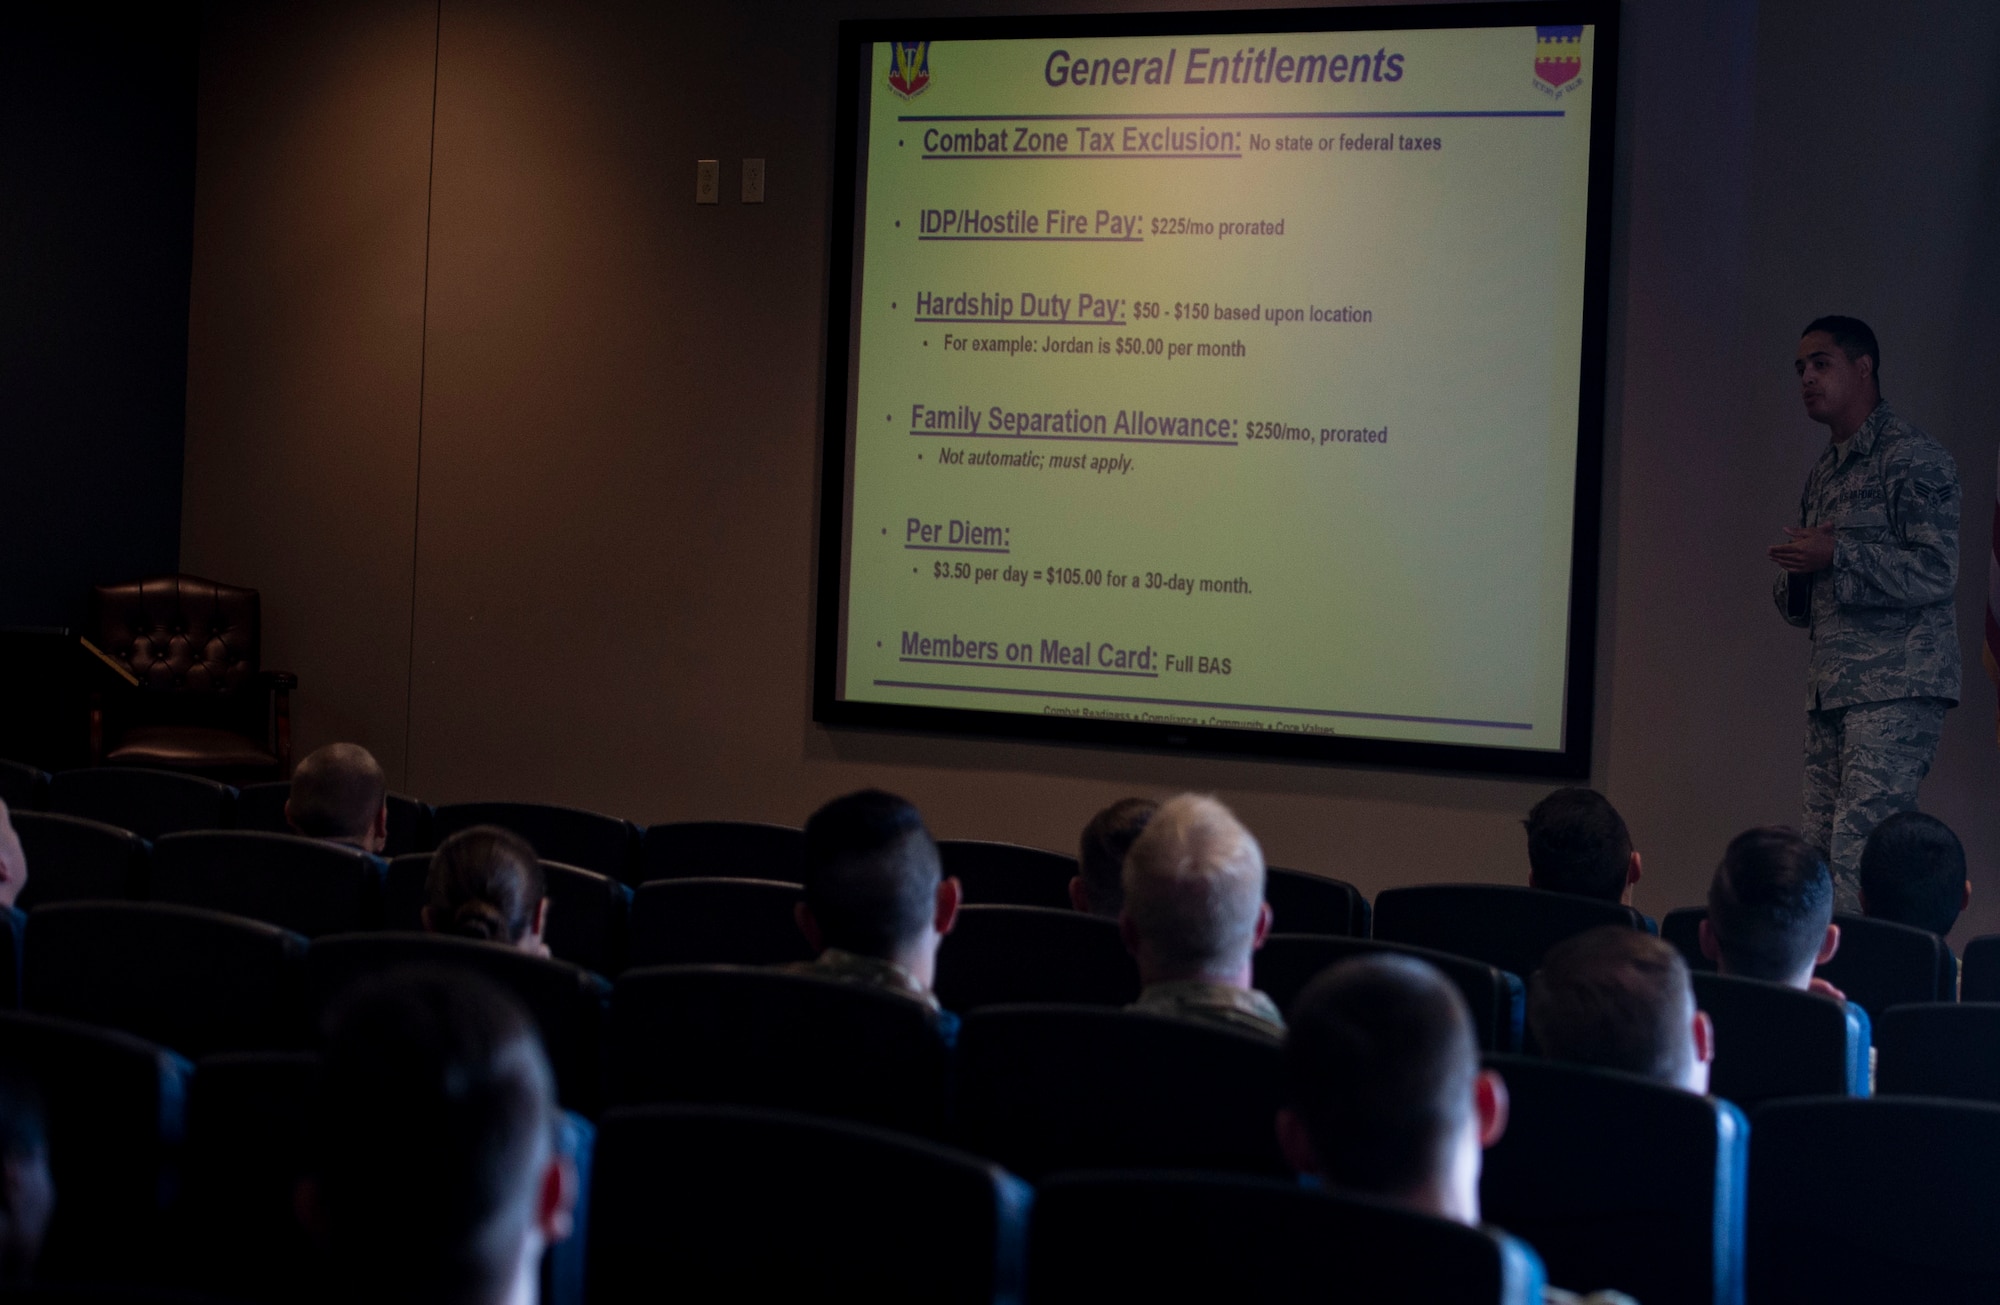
(927, 344)
(913, 570)
(899, 144)
(920, 457)
(892, 304)
(890, 417)
(885, 530)
(878, 643)
(899, 224)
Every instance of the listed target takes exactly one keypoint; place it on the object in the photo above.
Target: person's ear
(1965, 898)
(1633, 873)
(802, 916)
(1489, 1105)
(378, 833)
(1702, 1034)
(309, 1209)
(1828, 945)
(1708, 944)
(1263, 926)
(1296, 1143)
(541, 925)
(1079, 896)
(950, 895)
(555, 1202)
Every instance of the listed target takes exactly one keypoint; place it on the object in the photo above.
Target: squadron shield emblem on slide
(1558, 57)
(909, 67)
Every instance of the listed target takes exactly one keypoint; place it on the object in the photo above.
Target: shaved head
(337, 793)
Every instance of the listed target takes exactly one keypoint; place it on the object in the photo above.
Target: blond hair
(1194, 883)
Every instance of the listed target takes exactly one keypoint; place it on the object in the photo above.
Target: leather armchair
(184, 690)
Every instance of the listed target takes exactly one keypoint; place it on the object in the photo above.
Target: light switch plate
(707, 181)
(753, 181)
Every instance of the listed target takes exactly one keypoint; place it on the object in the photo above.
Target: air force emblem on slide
(1558, 55)
(909, 67)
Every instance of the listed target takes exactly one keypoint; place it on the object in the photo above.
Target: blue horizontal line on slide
(1197, 117)
(1005, 666)
(1078, 439)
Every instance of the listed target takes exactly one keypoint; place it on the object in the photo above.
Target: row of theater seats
(1144, 1187)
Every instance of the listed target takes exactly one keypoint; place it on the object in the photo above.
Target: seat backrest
(1939, 1049)
(1980, 968)
(147, 802)
(1682, 927)
(1218, 1237)
(247, 1149)
(1772, 1041)
(71, 859)
(194, 980)
(740, 1035)
(1880, 964)
(999, 954)
(1883, 1200)
(1508, 927)
(766, 1205)
(116, 1110)
(1007, 874)
(1043, 1088)
(568, 1003)
(1317, 904)
(23, 787)
(716, 922)
(262, 807)
(572, 836)
(179, 632)
(1619, 1182)
(588, 913)
(737, 849)
(1286, 963)
(306, 885)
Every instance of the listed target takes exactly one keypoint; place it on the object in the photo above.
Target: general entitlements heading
(1205, 67)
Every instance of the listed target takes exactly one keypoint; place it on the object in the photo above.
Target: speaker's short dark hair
(871, 871)
(1616, 998)
(337, 792)
(1379, 1063)
(1578, 843)
(1101, 852)
(1854, 336)
(435, 1118)
(1913, 872)
(1770, 903)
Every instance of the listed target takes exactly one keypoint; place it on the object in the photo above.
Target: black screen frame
(1573, 759)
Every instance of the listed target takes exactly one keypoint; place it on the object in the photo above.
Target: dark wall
(96, 233)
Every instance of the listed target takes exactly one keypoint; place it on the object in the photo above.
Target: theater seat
(1941, 1049)
(193, 980)
(303, 884)
(147, 802)
(770, 1206)
(1880, 964)
(716, 922)
(1682, 927)
(1982, 969)
(1213, 1237)
(1316, 904)
(116, 1109)
(23, 787)
(262, 807)
(588, 913)
(237, 1231)
(1889, 1200)
(1507, 927)
(1043, 1088)
(71, 859)
(736, 849)
(999, 954)
(1772, 1041)
(1286, 963)
(1620, 1182)
(1007, 874)
(737, 1035)
(568, 1003)
(596, 842)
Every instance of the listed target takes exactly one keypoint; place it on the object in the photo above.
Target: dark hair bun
(481, 920)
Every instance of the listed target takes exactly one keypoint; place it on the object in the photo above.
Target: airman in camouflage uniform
(1871, 570)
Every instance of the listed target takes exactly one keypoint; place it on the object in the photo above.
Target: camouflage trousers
(1863, 764)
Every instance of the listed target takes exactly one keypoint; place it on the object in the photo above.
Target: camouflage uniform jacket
(1244, 1009)
(849, 967)
(1883, 620)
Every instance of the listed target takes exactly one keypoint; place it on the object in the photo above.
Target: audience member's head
(436, 1173)
(1578, 844)
(486, 883)
(339, 794)
(1384, 1095)
(1913, 872)
(1770, 909)
(873, 883)
(13, 861)
(1194, 894)
(27, 1194)
(1619, 998)
(1099, 886)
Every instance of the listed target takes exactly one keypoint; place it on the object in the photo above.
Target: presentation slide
(1228, 385)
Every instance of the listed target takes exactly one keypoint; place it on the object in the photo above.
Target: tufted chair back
(180, 632)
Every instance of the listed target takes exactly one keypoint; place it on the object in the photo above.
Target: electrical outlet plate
(753, 181)
(708, 181)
